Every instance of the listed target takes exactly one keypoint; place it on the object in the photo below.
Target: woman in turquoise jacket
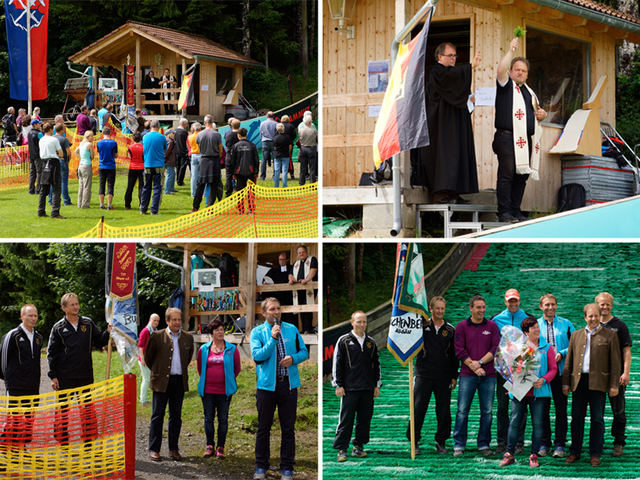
(218, 365)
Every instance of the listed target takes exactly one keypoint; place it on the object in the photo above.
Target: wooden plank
(353, 100)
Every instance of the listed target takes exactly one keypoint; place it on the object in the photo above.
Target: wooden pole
(412, 419)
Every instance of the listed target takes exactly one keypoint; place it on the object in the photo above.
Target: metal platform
(447, 210)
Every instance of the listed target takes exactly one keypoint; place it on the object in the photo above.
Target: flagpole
(29, 102)
(411, 413)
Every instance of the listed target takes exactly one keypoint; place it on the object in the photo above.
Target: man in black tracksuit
(70, 362)
(436, 373)
(244, 161)
(35, 163)
(356, 377)
(20, 370)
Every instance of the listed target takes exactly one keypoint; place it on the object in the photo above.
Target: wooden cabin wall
(348, 135)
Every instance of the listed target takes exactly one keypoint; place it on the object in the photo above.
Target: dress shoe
(155, 456)
(572, 459)
(618, 450)
(175, 454)
(507, 218)
(595, 461)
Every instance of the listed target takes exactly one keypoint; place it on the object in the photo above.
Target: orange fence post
(130, 403)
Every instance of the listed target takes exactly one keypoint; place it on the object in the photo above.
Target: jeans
(423, 388)
(280, 165)
(596, 400)
(174, 396)
(152, 179)
(144, 385)
(212, 402)
(510, 185)
(169, 185)
(134, 176)
(467, 387)
(560, 402)
(195, 163)
(538, 407)
(286, 400)
(308, 159)
(619, 417)
(503, 414)
(267, 150)
(64, 176)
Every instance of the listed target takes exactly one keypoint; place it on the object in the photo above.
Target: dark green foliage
(628, 104)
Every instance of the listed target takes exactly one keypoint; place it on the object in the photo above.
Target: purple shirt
(474, 340)
(84, 124)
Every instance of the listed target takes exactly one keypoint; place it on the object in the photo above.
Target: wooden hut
(570, 43)
(249, 257)
(148, 47)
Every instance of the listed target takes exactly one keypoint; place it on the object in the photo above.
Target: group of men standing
(593, 362)
(448, 165)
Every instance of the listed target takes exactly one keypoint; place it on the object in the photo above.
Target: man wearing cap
(512, 316)
(604, 301)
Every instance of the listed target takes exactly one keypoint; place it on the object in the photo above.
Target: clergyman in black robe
(448, 164)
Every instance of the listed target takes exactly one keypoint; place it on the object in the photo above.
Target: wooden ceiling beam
(596, 27)
(550, 13)
(574, 21)
(528, 7)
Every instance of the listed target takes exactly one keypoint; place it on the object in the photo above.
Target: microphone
(276, 321)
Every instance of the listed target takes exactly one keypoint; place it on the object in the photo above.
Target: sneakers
(508, 459)
(111, 207)
(440, 448)
(208, 451)
(519, 448)
(618, 450)
(194, 210)
(286, 475)
(501, 449)
(220, 453)
(418, 450)
(458, 452)
(543, 452)
(358, 452)
(342, 456)
(260, 474)
(533, 461)
(487, 452)
(558, 452)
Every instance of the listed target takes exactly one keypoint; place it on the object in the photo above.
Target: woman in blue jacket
(218, 366)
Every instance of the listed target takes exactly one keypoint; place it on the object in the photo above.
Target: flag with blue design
(409, 304)
(16, 13)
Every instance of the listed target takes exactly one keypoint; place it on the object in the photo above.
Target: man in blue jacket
(277, 348)
(556, 331)
(512, 316)
(155, 144)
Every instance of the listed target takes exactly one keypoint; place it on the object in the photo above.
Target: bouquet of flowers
(516, 356)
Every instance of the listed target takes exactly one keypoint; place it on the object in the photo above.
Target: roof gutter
(599, 17)
(396, 168)
(220, 59)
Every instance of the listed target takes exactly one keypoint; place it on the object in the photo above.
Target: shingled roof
(189, 43)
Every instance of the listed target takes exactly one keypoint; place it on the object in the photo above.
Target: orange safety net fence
(254, 212)
(79, 433)
(14, 161)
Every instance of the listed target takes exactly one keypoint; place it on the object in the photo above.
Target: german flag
(187, 97)
(402, 124)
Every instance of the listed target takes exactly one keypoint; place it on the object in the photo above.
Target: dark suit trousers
(619, 417)
(596, 401)
(286, 400)
(174, 396)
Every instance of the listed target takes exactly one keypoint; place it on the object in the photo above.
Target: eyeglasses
(450, 56)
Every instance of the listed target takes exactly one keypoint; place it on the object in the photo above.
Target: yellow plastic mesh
(254, 212)
(66, 434)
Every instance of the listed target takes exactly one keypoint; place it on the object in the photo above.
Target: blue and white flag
(409, 304)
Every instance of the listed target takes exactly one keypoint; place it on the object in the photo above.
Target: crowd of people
(165, 355)
(158, 162)
(590, 364)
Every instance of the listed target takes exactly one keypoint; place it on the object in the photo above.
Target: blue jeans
(169, 184)
(195, 164)
(64, 172)
(152, 180)
(212, 402)
(538, 407)
(280, 165)
(467, 386)
(267, 150)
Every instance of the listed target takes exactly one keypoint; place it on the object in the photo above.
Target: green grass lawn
(20, 210)
(243, 419)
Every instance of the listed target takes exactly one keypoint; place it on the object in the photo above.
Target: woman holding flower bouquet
(535, 357)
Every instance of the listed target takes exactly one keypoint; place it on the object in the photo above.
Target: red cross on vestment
(517, 89)
(537, 147)
(519, 114)
(521, 142)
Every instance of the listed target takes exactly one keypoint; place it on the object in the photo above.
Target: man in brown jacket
(591, 370)
(169, 380)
